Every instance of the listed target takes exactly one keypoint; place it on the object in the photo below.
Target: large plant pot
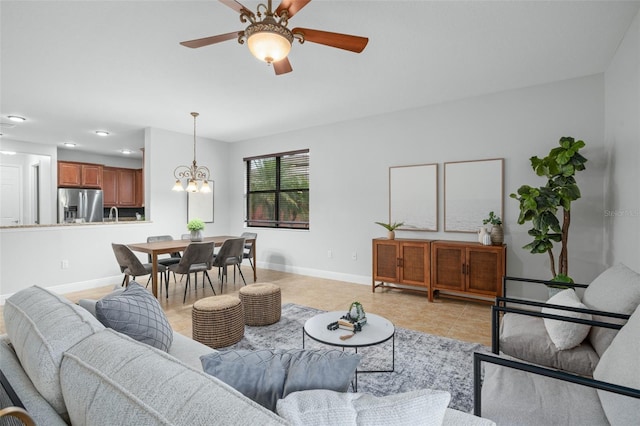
(497, 235)
(197, 236)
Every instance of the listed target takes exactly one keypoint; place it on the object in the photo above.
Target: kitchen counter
(124, 220)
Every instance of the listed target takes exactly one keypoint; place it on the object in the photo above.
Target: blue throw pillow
(138, 314)
(267, 375)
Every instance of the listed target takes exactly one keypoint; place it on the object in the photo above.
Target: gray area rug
(421, 360)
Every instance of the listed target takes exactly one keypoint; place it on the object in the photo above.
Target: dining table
(161, 247)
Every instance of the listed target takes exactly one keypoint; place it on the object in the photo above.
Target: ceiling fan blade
(341, 41)
(201, 42)
(283, 66)
(237, 6)
(291, 6)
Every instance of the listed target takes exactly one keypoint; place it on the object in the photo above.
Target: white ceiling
(72, 67)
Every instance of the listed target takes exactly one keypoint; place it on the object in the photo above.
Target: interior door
(10, 195)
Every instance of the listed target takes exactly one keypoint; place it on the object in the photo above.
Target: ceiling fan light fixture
(269, 42)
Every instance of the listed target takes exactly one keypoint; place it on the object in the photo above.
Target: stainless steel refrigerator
(80, 205)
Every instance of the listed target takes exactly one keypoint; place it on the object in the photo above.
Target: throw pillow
(136, 313)
(615, 290)
(323, 407)
(267, 375)
(619, 364)
(565, 334)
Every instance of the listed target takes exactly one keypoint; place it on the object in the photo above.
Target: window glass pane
(294, 207)
(262, 174)
(262, 208)
(294, 172)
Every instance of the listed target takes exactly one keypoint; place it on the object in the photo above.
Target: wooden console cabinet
(79, 175)
(458, 268)
(401, 261)
(467, 268)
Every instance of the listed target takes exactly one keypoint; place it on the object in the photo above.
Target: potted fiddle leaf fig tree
(547, 205)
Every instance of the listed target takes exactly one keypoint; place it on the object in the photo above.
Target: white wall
(106, 160)
(622, 111)
(349, 175)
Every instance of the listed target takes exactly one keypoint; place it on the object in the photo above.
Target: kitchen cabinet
(79, 175)
(120, 187)
(139, 188)
(467, 268)
(401, 261)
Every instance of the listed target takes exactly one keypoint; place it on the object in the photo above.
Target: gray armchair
(231, 253)
(130, 265)
(196, 258)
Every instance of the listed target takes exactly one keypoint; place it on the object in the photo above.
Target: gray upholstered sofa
(66, 367)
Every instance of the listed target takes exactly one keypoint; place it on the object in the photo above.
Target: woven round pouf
(262, 303)
(217, 321)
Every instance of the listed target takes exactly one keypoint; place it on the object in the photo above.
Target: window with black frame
(277, 189)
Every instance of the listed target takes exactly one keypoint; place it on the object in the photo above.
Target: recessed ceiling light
(69, 144)
(126, 151)
(102, 133)
(16, 118)
(8, 152)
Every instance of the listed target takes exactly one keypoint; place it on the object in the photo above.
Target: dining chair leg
(186, 286)
(241, 274)
(206, 274)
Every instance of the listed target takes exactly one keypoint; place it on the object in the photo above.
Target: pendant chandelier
(197, 176)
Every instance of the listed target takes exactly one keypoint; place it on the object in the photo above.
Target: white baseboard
(356, 279)
(71, 287)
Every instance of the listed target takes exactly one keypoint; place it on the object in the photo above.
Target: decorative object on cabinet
(79, 175)
(200, 205)
(391, 227)
(482, 232)
(467, 269)
(413, 196)
(197, 176)
(497, 233)
(402, 261)
(196, 226)
(471, 188)
(541, 205)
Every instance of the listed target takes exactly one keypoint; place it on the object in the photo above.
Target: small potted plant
(497, 233)
(196, 226)
(391, 227)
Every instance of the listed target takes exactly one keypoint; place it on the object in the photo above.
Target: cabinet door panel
(385, 262)
(92, 176)
(126, 187)
(110, 187)
(414, 263)
(69, 174)
(484, 271)
(447, 271)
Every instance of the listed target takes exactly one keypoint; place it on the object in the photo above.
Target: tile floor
(458, 319)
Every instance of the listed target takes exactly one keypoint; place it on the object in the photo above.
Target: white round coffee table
(377, 330)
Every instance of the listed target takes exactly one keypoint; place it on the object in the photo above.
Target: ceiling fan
(268, 37)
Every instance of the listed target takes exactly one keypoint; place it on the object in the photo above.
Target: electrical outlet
(330, 254)
(64, 264)
(354, 255)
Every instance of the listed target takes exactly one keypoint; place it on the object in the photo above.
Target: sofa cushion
(41, 326)
(329, 408)
(615, 290)
(267, 375)
(514, 397)
(138, 314)
(110, 379)
(526, 338)
(620, 364)
(565, 334)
